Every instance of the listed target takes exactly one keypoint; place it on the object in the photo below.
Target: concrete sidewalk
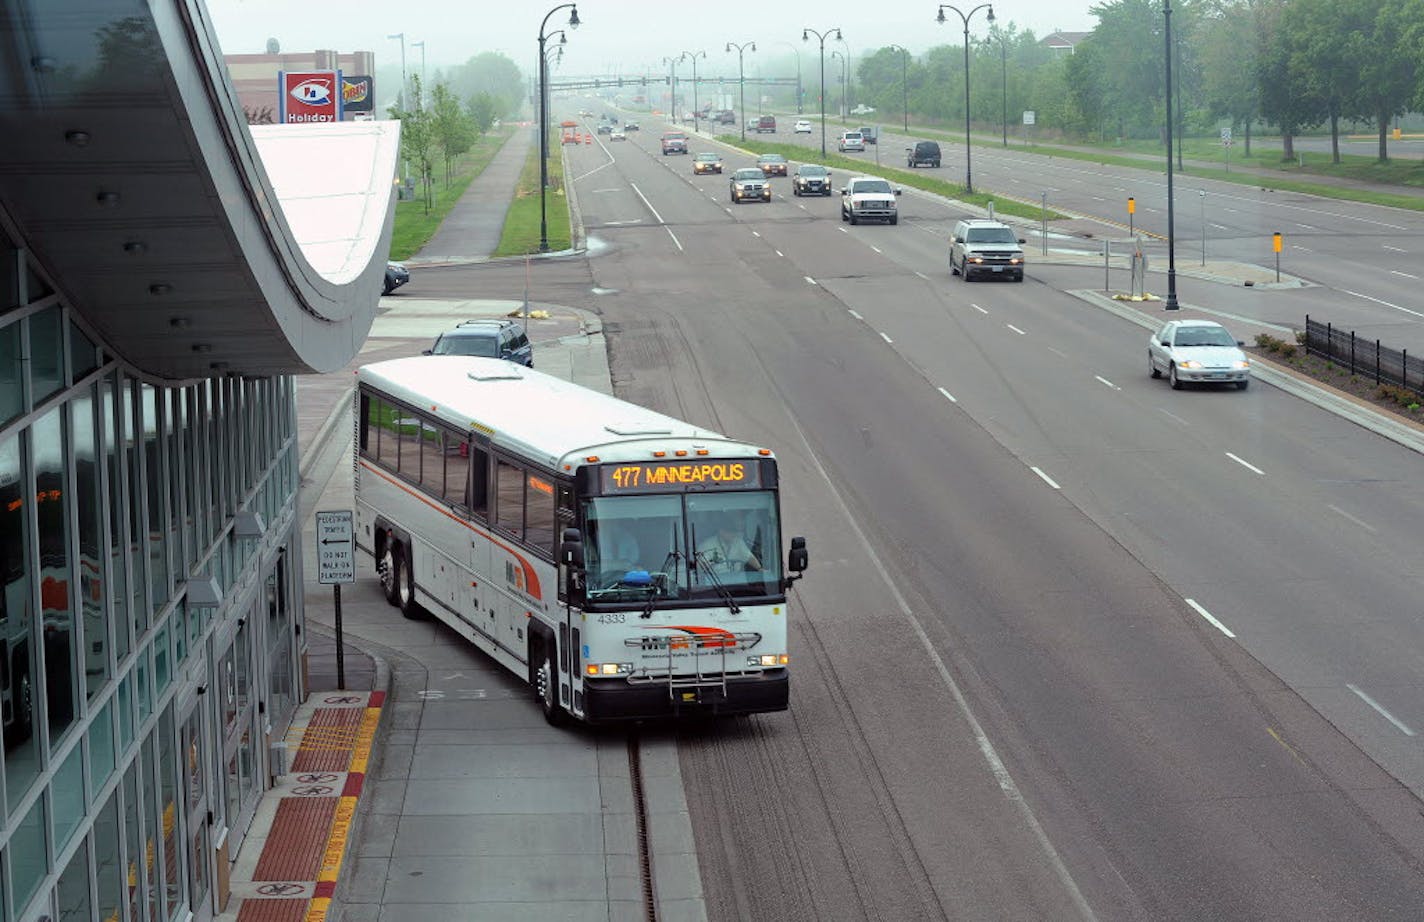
(471, 232)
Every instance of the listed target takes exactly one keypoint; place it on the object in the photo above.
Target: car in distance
(803, 126)
(869, 198)
(631, 126)
(870, 133)
(706, 163)
(851, 141)
(396, 276)
(981, 246)
(749, 185)
(604, 128)
(726, 117)
(772, 164)
(752, 124)
(766, 124)
(617, 135)
(674, 142)
(493, 338)
(811, 179)
(862, 109)
(1197, 351)
(924, 153)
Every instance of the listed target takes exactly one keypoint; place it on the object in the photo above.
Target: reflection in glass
(46, 353)
(153, 824)
(118, 580)
(101, 745)
(124, 704)
(91, 544)
(138, 609)
(107, 865)
(12, 394)
(28, 860)
(72, 893)
(83, 357)
(168, 768)
(156, 477)
(56, 598)
(67, 796)
(137, 872)
(17, 665)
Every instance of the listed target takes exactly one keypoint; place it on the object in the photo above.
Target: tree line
(1290, 65)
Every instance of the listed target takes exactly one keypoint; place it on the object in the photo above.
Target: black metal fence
(1364, 357)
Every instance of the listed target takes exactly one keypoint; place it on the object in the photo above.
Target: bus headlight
(609, 668)
(769, 659)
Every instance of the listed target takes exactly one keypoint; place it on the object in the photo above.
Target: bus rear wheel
(405, 591)
(546, 686)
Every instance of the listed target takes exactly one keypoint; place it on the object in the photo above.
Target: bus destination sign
(676, 476)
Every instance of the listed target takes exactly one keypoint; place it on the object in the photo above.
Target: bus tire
(24, 703)
(546, 682)
(405, 589)
(387, 568)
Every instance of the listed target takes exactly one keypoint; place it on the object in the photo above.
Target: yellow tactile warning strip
(336, 739)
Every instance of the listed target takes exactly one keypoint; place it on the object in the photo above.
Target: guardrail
(1361, 356)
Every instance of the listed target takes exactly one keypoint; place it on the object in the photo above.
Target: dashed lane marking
(1210, 618)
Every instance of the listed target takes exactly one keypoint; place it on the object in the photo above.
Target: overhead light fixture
(77, 138)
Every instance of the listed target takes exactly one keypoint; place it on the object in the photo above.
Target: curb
(313, 448)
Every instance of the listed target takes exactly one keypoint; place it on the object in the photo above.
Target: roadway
(1005, 704)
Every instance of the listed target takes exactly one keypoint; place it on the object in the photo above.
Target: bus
(626, 564)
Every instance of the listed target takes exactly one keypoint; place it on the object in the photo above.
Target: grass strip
(413, 227)
(913, 178)
(521, 222)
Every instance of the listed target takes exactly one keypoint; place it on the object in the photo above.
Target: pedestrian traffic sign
(1226, 137)
(335, 548)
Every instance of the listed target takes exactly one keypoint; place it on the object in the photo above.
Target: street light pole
(821, 37)
(742, 82)
(1004, 78)
(693, 56)
(841, 104)
(904, 83)
(400, 97)
(846, 78)
(1172, 304)
(796, 51)
(672, 88)
(544, 120)
(421, 45)
(965, 17)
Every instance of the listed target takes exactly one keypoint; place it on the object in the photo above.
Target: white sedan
(803, 127)
(617, 135)
(1197, 351)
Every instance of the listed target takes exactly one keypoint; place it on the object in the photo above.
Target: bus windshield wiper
(716, 583)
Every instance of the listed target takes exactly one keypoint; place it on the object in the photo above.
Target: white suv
(852, 140)
(979, 247)
(869, 198)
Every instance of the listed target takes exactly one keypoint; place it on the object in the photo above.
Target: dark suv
(492, 338)
(924, 153)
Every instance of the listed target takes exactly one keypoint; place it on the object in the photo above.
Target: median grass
(521, 223)
(413, 227)
(913, 178)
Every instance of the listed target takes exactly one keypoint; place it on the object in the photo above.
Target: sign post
(1226, 147)
(1131, 210)
(1276, 245)
(336, 564)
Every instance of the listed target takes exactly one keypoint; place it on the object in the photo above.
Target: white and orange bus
(627, 564)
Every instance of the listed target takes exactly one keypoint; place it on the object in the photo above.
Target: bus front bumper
(614, 700)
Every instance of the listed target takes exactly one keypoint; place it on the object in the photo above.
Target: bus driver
(727, 550)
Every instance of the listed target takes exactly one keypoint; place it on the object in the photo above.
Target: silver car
(1197, 351)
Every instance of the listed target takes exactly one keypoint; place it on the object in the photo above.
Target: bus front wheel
(546, 686)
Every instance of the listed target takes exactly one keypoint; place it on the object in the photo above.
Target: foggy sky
(617, 36)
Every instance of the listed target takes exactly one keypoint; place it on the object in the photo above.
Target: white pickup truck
(869, 198)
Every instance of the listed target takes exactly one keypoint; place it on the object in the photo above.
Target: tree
(1389, 69)
(492, 73)
(482, 110)
(1287, 95)
(418, 138)
(1228, 55)
(274, 46)
(453, 129)
(1129, 55)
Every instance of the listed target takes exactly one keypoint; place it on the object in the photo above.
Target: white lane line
(1246, 464)
(673, 236)
(1015, 329)
(1107, 382)
(1306, 226)
(802, 207)
(1395, 249)
(648, 203)
(1208, 616)
(809, 280)
(755, 234)
(726, 209)
(1360, 522)
(1405, 274)
(1296, 246)
(596, 191)
(1046, 479)
(948, 396)
(1382, 712)
(1385, 303)
(886, 338)
(854, 313)
(1058, 352)
(843, 230)
(997, 768)
(781, 254)
(979, 309)
(1220, 226)
(1173, 415)
(876, 248)
(922, 275)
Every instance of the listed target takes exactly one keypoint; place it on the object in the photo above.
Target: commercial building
(164, 272)
(254, 77)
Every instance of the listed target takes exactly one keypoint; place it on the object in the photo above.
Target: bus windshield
(693, 546)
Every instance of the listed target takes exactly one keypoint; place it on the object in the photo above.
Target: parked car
(803, 126)
(811, 179)
(772, 164)
(1197, 351)
(766, 124)
(706, 163)
(924, 153)
(981, 246)
(396, 276)
(674, 142)
(749, 185)
(493, 338)
(870, 133)
(869, 198)
(851, 141)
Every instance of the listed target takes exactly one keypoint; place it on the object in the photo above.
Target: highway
(1072, 644)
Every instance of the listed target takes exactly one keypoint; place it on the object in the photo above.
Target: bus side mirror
(571, 549)
(796, 559)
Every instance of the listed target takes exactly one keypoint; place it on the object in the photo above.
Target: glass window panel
(173, 482)
(192, 507)
(101, 745)
(509, 506)
(35, 287)
(83, 356)
(72, 894)
(10, 259)
(118, 576)
(46, 353)
(138, 608)
(243, 684)
(91, 543)
(539, 514)
(152, 822)
(156, 478)
(432, 458)
(142, 695)
(56, 599)
(179, 629)
(479, 482)
(162, 662)
(107, 864)
(138, 866)
(29, 859)
(124, 699)
(22, 760)
(457, 469)
(12, 394)
(67, 796)
(169, 812)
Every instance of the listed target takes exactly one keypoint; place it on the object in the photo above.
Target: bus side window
(457, 469)
(375, 418)
(365, 422)
(479, 482)
(539, 525)
(509, 499)
(432, 458)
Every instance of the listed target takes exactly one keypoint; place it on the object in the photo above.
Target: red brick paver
(297, 840)
(277, 910)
